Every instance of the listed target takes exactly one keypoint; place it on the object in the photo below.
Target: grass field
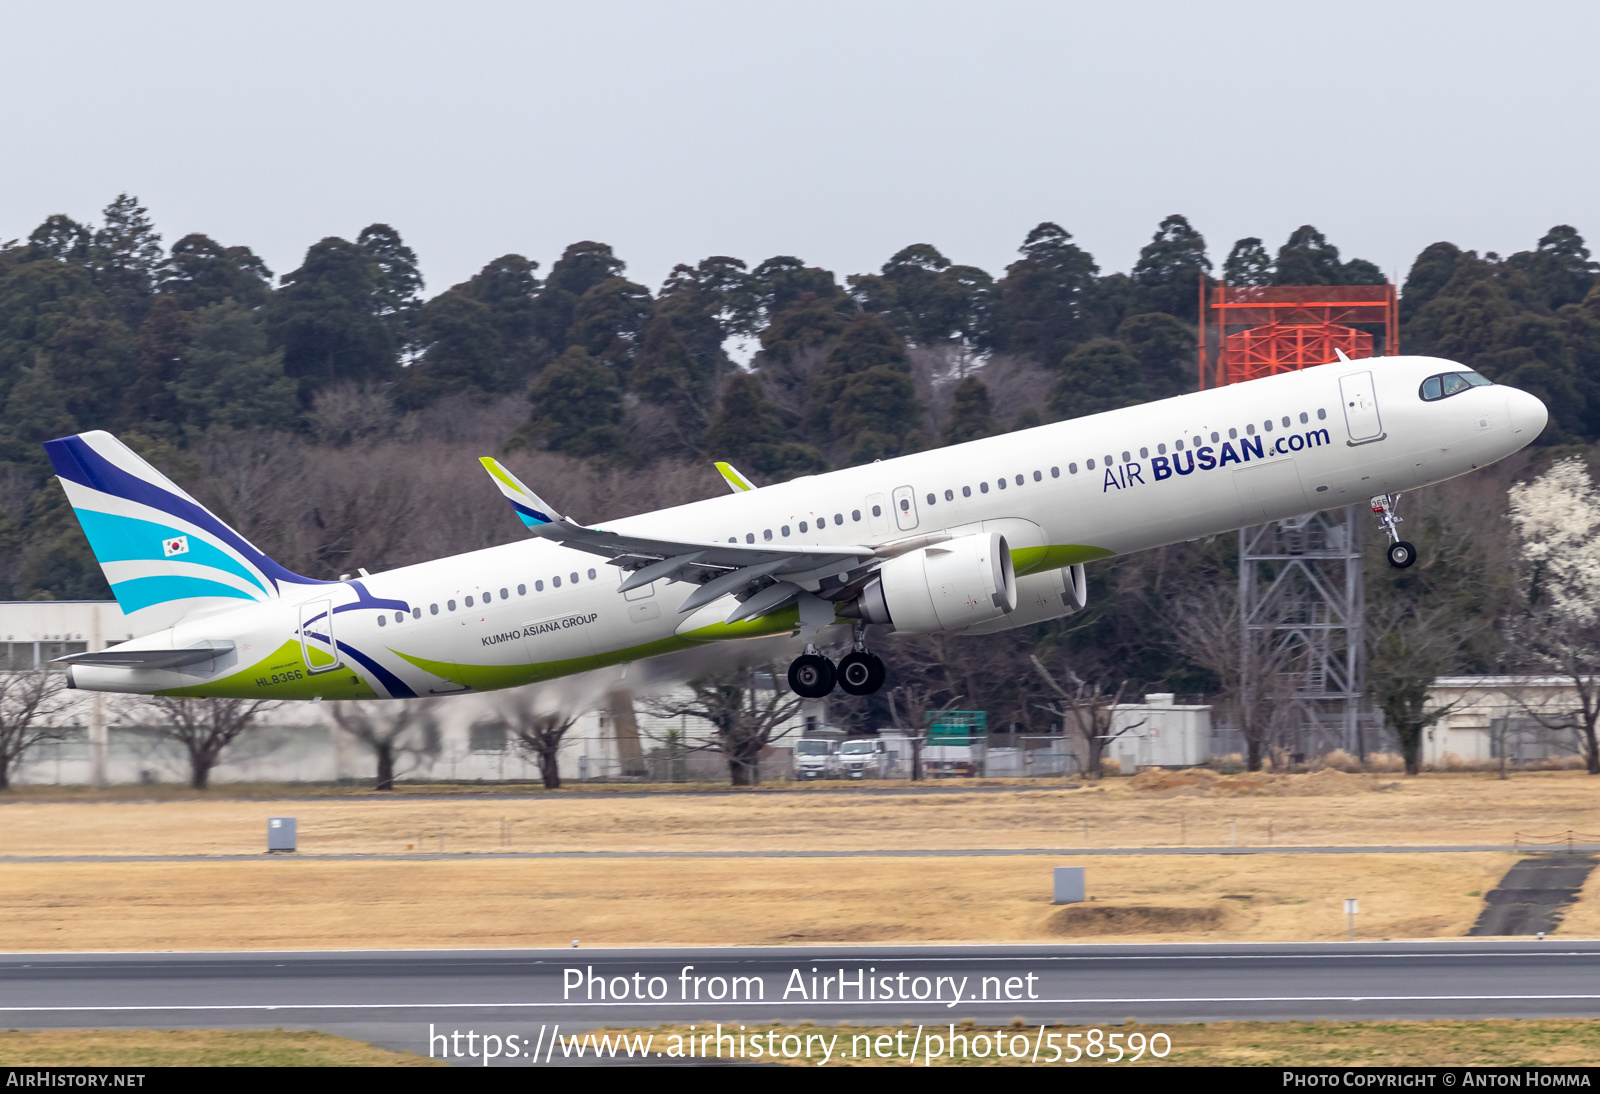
(1325, 808)
(1502, 1043)
(297, 904)
(136, 1048)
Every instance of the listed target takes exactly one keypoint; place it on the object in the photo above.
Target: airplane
(974, 538)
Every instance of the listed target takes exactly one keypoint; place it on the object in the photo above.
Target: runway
(395, 998)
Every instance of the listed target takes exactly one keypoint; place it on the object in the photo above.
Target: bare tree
(1253, 668)
(537, 733)
(1408, 648)
(204, 728)
(741, 718)
(29, 700)
(394, 731)
(1089, 709)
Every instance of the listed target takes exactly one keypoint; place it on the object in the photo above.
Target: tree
(477, 338)
(1248, 264)
(733, 716)
(783, 281)
(1557, 520)
(230, 376)
(1307, 258)
(748, 431)
(580, 268)
(1099, 375)
(537, 733)
(1408, 648)
(577, 408)
(331, 319)
(861, 398)
(1088, 708)
(1047, 297)
(1165, 349)
(393, 731)
(1560, 269)
(1429, 274)
(199, 272)
(609, 321)
(1170, 267)
(396, 281)
(970, 414)
(203, 728)
(926, 299)
(29, 701)
(60, 238)
(125, 256)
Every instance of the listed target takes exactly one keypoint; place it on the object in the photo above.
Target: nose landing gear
(1400, 553)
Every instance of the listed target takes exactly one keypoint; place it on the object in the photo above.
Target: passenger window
(487, 597)
(1089, 464)
(1161, 450)
(1321, 413)
(1110, 461)
(1304, 417)
(1037, 477)
(399, 617)
(1144, 453)
(1233, 434)
(1072, 469)
(966, 491)
(983, 488)
(574, 577)
(784, 529)
(1215, 437)
(555, 582)
(591, 578)
(1250, 430)
(538, 586)
(949, 495)
(1126, 457)
(416, 613)
(1001, 482)
(1178, 445)
(930, 499)
(451, 604)
(877, 510)
(803, 527)
(749, 537)
(905, 505)
(522, 590)
(468, 601)
(1267, 425)
(855, 515)
(383, 621)
(838, 518)
(433, 609)
(505, 595)
(1055, 472)
(1286, 421)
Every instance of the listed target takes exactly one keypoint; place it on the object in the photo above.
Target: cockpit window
(1451, 383)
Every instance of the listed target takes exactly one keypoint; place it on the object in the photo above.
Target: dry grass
(1494, 1043)
(1327, 807)
(136, 1048)
(299, 904)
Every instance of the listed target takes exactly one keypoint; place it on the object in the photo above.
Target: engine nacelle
(945, 587)
(1041, 597)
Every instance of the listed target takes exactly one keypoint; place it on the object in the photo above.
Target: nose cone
(1528, 415)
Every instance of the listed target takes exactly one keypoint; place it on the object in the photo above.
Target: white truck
(863, 758)
(816, 758)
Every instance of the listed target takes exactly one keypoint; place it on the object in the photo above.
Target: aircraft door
(905, 508)
(878, 514)
(317, 646)
(1360, 407)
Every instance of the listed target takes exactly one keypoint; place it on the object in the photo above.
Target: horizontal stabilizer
(147, 659)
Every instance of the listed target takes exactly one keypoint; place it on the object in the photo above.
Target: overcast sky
(838, 132)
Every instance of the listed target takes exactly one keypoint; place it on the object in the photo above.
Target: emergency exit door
(316, 636)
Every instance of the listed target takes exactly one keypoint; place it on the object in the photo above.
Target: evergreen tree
(971, 416)
(200, 272)
(396, 282)
(125, 255)
(861, 398)
(580, 268)
(748, 431)
(60, 238)
(231, 377)
(1248, 264)
(1046, 298)
(1429, 274)
(1102, 374)
(460, 352)
(609, 321)
(577, 409)
(779, 284)
(1560, 269)
(926, 299)
(1307, 259)
(1165, 348)
(163, 343)
(1170, 267)
(331, 320)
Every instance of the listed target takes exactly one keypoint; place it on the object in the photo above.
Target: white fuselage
(1091, 487)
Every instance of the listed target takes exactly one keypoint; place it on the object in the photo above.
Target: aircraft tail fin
(164, 554)
(526, 504)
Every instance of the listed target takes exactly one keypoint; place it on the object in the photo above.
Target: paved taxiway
(393, 997)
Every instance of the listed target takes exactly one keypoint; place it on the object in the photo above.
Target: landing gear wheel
(811, 676)
(1401, 554)
(861, 673)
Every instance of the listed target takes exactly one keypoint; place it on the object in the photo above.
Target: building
(107, 739)
(1489, 715)
(1159, 733)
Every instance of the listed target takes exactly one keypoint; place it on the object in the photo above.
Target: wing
(765, 577)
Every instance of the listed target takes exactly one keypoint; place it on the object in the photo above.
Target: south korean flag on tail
(177, 545)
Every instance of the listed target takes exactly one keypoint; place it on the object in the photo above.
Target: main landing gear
(1401, 554)
(812, 676)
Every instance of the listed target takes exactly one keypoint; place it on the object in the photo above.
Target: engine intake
(944, 587)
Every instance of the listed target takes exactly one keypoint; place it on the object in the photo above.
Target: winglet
(529, 508)
(1342, 356)
(736, 482)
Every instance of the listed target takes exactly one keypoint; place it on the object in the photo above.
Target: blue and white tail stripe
(524, 502)
(163, 553)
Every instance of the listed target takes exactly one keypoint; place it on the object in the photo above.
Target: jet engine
(1049, 594)
(944, 587)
